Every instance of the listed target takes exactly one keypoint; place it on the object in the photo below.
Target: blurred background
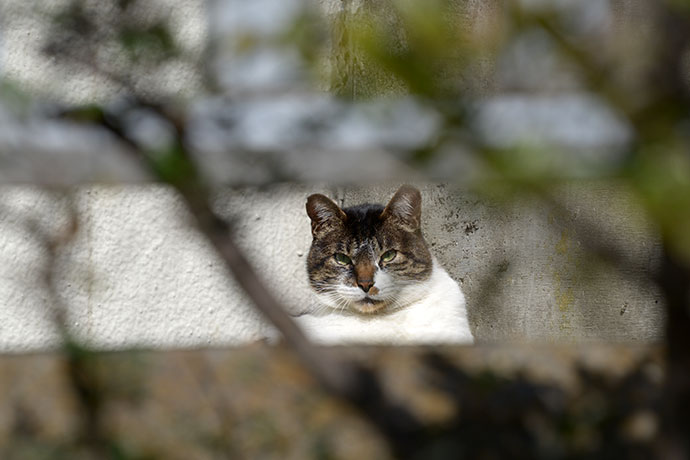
(155, 158)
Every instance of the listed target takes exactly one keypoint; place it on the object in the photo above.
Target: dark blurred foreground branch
(345, 379)
(357, 384)
(675, 284)
(657, 122)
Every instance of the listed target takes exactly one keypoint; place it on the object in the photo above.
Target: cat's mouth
(369, 305)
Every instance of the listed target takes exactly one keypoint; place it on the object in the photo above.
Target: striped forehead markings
(366, 248)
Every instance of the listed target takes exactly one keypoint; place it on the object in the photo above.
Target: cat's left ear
(405, 208)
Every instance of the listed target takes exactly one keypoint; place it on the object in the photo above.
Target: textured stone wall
(137, 274)
(525, 268)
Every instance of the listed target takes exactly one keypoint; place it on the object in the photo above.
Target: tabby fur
(374, 278)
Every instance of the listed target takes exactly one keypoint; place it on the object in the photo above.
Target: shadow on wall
(525, 271)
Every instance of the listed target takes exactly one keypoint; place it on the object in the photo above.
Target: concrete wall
(136, 273)
(524, 267)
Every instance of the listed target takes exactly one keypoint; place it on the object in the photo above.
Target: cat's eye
(342, 259)
(388, 255)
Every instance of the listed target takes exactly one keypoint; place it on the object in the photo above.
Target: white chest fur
(436, 314)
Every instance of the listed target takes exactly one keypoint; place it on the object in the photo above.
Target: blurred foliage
(125, 41)
(434, 51)
(153, 43)
(428, 47)
(259, 403)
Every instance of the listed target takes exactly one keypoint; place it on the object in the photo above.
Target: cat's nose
(365, 285)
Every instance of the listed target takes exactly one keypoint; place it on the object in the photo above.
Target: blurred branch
(52, 243)
(177, 169)
(81, 377)
(675, 284)
(343, 378)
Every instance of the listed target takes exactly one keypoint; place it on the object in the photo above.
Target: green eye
(342, 259)
(388, 255)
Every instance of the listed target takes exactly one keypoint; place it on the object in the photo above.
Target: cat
(374, 279)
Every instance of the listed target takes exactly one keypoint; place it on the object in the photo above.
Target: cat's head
(367, 258)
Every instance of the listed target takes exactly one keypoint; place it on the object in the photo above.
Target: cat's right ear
(325, 215)
(405, 208)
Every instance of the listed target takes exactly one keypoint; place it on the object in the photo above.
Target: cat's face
(366, 257)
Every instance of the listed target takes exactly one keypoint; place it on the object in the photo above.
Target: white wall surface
(137, 274)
